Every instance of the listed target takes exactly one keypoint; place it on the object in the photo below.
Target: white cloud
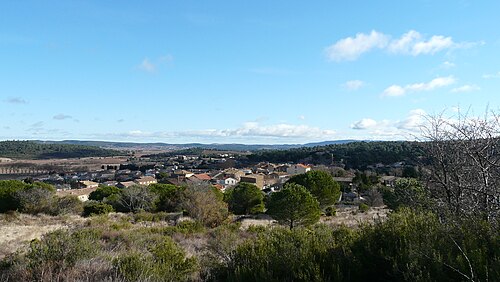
(394, 91)
(448, 65)
(491, 75)
(411, 43)
(302, 117)
(393, 129)
(466, 88)
(147, 66)
(353, 85)
(247, 130)
(351, 48)
(435, 44)
(404, 45)
(439, 82)
(364, 124)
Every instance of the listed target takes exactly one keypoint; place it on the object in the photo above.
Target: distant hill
(175, 147)
(37, 150)
(356, 155)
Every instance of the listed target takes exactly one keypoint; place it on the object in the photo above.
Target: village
(221, 171)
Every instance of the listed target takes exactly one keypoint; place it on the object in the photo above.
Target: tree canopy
(294, 206)
(321, 185)
(245, 198)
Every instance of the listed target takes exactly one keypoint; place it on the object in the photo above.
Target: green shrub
(165, 262)
(363, 207)
(68, 205)
(331, 211)
(58, 251)
(133, 266)
(96, 208)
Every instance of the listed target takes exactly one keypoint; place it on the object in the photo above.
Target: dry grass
(351, 216)
(17, 230)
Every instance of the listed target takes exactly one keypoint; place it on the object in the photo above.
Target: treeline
(34, 150)
(356, 155)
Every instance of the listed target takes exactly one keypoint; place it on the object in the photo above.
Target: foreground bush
(166, 262)
(96, 208)
(407, 247)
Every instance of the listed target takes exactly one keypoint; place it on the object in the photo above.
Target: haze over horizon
(253, 73)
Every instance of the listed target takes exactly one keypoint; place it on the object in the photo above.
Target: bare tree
(137, 198)
(464, 164)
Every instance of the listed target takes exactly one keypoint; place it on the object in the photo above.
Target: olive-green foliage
(137, 198)
(168, 196)
(288, 255)
(409, 246)
(246, 198)
(35, 200)
(96, 208)
(26, 197)
(294, 206)
(165, 262)
(185, 227)
(331, 211)
(103, 192)
(321, 185)
(407, 192)
(35, 150)
(58, 251)
(363, 207)
(8, 188)
(205, 204)
(356, 155)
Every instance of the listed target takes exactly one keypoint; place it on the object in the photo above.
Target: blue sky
(242, 71)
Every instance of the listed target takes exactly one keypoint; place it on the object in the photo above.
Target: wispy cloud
(15, 100)
(147, 66)
(466, 88)
(398, 90)
(411, 43)
(247, 130)
(62, 117)
(491, 75)
(152, 66)
(353, 85)
(448, 65)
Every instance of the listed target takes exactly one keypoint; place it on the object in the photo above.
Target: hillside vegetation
(34, 150)
(355, 155)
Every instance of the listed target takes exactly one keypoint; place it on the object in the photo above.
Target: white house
(297, 169)
(227, 182)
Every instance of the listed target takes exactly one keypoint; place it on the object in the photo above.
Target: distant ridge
(215, 146)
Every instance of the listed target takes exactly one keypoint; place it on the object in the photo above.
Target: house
(180, 173)
(84, 184)
(81, 194)
(388, 180)
(234, 173)
(345, 183)
(203, 177)
(255, 179)
(298, 169)
(146, 180)
(227, 182)
(109, 183)
(126, 184)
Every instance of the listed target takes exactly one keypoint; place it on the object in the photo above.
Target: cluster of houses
(220, 172)
(264, 176)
